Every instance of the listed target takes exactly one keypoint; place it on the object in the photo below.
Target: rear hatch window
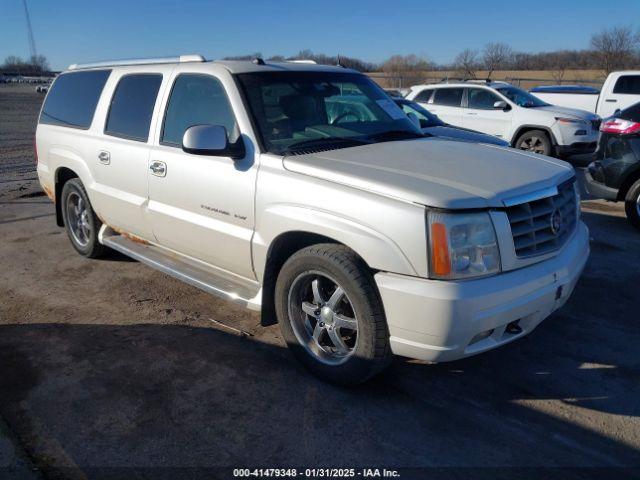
(73, 98)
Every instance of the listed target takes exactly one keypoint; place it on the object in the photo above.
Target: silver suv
(304, 192)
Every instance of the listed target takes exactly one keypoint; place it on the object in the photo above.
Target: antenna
(32, 42)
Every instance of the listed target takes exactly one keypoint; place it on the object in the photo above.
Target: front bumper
(440, 321)
(577, 148)
(595, 188)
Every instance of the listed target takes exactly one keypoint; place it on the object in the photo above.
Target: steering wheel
(345, 115)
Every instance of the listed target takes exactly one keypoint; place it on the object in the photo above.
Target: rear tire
(80, 221)
(632, 204)
(536, 141)
(331, 315)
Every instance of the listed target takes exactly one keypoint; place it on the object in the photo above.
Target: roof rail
(303, 60)
(138, 61)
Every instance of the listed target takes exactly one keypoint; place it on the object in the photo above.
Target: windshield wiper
(391, 135)
(314, 142)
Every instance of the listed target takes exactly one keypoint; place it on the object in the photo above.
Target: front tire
(80, 221)
(535, 141)
(331, 315)
(632, 204)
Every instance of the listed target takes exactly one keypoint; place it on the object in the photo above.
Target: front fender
(378, 250)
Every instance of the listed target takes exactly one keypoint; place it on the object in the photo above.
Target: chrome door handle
(104, 157)
(159, 169)
(611, 100)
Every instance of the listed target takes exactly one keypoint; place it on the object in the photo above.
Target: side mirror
(211, 140)
(414, 119)
(501, 105)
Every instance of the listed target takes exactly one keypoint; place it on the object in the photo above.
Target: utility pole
(32, 42)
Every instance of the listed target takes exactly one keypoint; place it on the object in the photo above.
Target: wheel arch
(527, 128)
(62, 176)
(279, 251)
(630, 178)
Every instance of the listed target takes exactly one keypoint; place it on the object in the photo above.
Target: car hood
(567, 112)
(436, 172)
(456, 133)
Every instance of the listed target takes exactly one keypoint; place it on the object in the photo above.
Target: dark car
(431, 124)
(615, 174)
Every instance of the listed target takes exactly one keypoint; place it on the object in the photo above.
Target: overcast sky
(70, 31)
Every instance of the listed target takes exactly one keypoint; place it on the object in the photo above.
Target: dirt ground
(109, 369)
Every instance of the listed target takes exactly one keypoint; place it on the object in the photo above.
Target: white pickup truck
(620, 90)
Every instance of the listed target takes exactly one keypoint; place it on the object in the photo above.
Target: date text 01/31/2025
(316, 473)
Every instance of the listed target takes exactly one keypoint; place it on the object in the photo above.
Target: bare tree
(407, 69)
(466, 63)
(615, 47)
(496, 56)
(39, 63)
(36, 65)
(557, 64)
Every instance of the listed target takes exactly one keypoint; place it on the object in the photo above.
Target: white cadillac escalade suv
(359, 235)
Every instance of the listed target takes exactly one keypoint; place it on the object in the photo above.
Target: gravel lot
(106, 364)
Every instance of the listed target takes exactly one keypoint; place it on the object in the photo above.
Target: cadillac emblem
(556, 221)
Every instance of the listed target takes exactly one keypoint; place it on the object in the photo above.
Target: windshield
(427, 119)
(521, 97)
(306, 110)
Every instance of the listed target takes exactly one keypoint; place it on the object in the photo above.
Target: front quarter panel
(389, 234)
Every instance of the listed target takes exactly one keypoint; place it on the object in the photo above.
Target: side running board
(217, 282)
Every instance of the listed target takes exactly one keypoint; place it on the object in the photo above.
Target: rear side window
(424, 96)
(132, 106)
(451, 97)
(73, 98)
(197, 100)
(628, 84)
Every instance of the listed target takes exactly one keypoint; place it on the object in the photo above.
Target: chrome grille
(544, 225)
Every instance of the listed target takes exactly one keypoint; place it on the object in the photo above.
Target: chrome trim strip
(531, 197)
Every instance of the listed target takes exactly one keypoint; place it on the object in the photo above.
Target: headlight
(570, 121)
(462, 245)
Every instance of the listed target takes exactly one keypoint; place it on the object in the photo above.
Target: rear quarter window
(132, 105)
(451, 97)
(424, 96)
(73, 99)
(629, 84)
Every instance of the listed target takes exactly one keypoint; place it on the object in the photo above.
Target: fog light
(481, 336)
(513, 328)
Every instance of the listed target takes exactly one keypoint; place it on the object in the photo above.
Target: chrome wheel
(533, 144)
(78, 219)
(322, 317)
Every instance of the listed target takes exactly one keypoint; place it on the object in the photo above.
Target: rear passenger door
(199, 205)
(446, 103)
(120, 158)
(480, 114)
